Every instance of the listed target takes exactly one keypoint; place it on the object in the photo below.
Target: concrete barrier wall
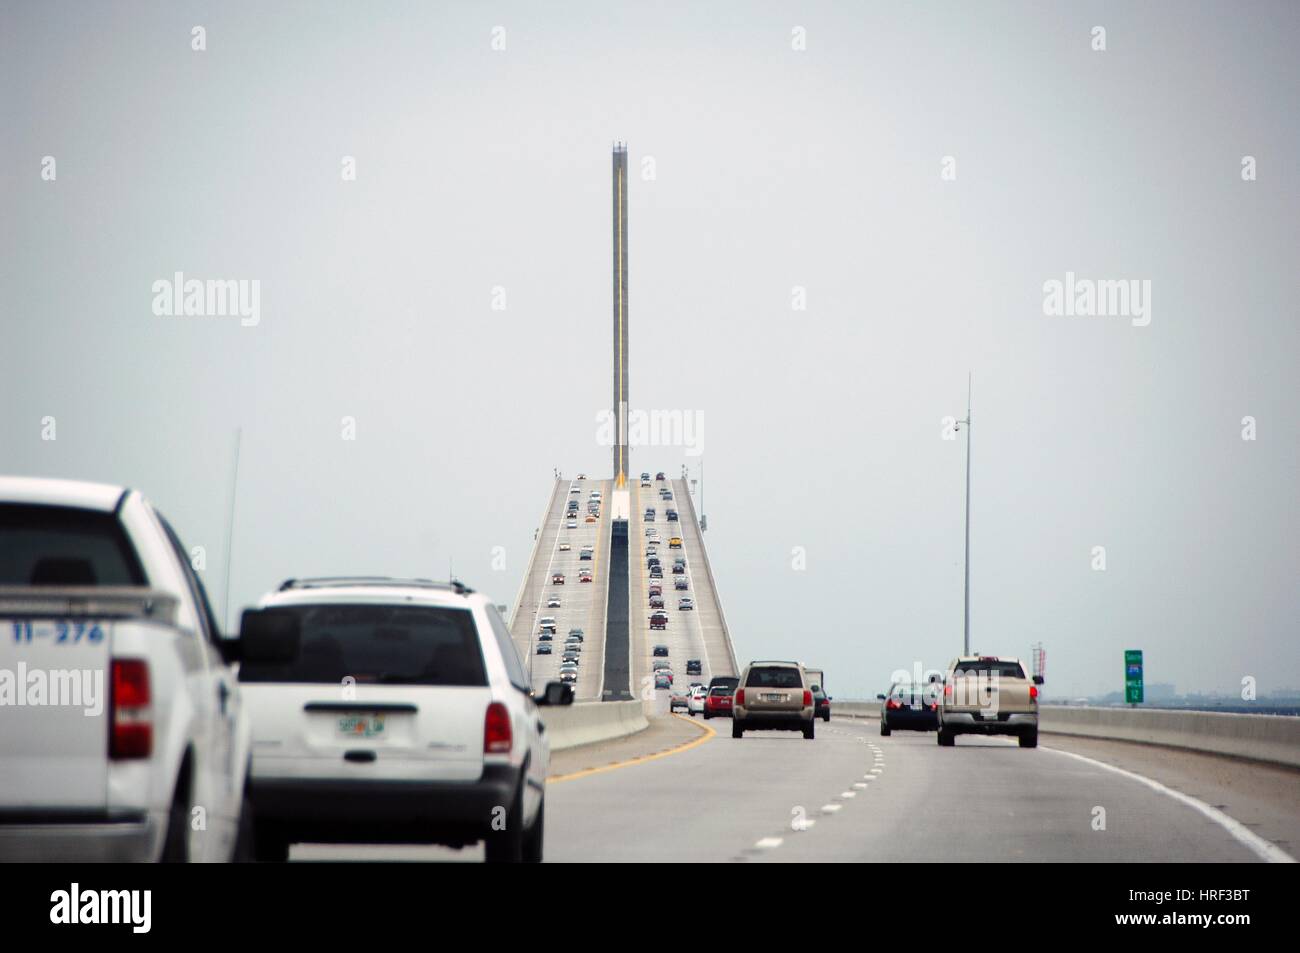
(568, 726)
(1271, 738)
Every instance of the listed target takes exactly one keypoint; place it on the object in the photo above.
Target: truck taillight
(740, 697)
(1033, 693)
(807, 698)
(947, 690)
(497, 736)
(131, 716)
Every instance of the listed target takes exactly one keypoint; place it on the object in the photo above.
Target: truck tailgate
(55, 651)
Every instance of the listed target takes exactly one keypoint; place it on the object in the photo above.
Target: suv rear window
(989, 669)
(65, 546)
(774, 677)
(379, 644)
(720, 690)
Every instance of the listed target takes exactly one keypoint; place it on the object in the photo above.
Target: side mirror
(881, 697)
(1038, 679)
(269, 635)
(933, 679)
(556, 693)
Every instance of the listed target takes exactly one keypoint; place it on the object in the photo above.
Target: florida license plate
(361, 726)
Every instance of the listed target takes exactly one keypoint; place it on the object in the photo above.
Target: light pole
(960, 424)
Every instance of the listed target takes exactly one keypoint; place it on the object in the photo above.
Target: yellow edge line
(708, 733)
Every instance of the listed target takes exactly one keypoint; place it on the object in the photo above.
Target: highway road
(869, 798)
(582, 605)
(691, 634)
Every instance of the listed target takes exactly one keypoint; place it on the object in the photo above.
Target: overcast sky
(782, 160)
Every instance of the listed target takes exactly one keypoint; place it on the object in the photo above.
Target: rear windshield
(720, 690)
(65, 546)
(987, 669)
(774, 677)
(379, 644)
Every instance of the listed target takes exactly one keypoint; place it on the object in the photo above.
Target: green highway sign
(1133, 676)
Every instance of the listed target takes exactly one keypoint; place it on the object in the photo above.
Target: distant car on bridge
(773, 696)
(557, 579)
(717, 704)
(909, 707)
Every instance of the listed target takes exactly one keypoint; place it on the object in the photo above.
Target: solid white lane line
(1265, 850)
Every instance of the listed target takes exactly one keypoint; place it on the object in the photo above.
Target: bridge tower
(621, 455)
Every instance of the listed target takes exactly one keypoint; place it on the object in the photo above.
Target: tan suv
(988, 695)
(773, 696)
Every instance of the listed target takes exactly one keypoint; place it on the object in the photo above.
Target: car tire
(176, 844)
(946, 738)
(884, 728)
(243, 852)
(507, 846)
(826, 717)
(737, 730)
(1029, 739)
(269, 845)
(707, 716)
(533, 841)
(809, 730)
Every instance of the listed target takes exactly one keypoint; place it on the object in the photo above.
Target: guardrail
(1270, 738)
(713, 583)
(568, 726)
(528, 566)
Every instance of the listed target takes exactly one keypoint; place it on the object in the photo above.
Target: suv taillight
(740, 697)
(497, 737)
(131, 718)
(807, 698)
(891, 704)
(947, 690)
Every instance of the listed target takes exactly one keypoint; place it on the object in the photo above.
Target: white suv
(391, 711)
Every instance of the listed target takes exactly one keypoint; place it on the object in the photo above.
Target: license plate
(361, 726)
(773, 698)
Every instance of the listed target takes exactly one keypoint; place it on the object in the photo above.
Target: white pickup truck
(122, 733)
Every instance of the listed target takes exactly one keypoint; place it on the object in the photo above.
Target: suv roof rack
(320, 582)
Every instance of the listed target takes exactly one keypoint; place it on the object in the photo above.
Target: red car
(584, 576)
(659, 620)
(558, 579)
(717, 704)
